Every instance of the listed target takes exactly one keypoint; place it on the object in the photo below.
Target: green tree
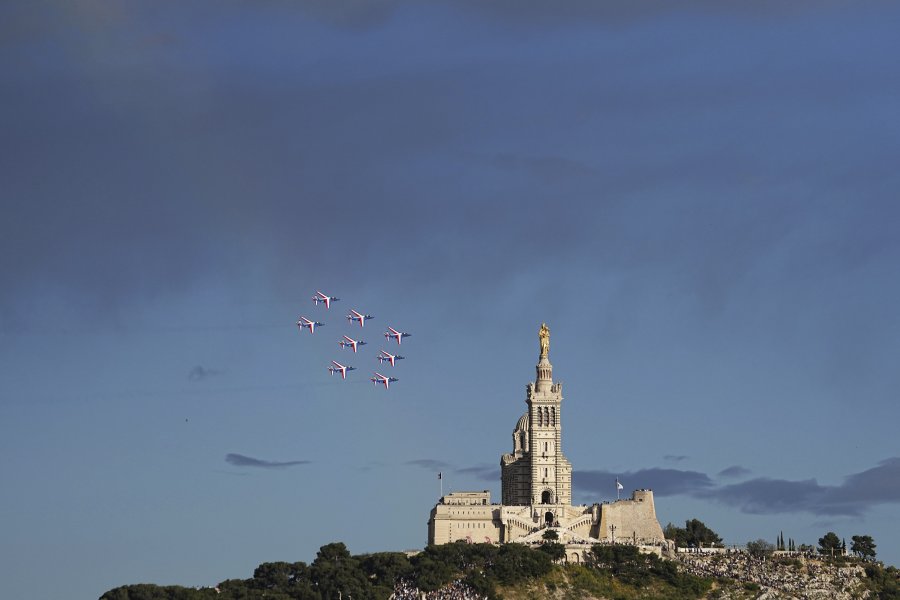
(885, 582)
(235, 588)
(863, 546)
(695, 533)
(516, 562)
(550, 535)
(625, 562)
(676, 534)
(148, 591)
(335, 574)
(431, 572)
(554, 550)
(290, 578)
(618, 558)
(629, 566)
(383, 569)
(760, 548)
(829, 544)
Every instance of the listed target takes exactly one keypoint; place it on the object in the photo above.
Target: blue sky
(701, 203)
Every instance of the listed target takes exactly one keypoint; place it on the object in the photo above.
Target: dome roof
(522, 425)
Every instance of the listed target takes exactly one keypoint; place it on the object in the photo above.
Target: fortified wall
(630, 520)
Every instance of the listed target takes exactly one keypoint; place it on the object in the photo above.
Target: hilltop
(517, 572)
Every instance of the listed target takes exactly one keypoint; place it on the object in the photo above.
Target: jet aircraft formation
(346, 341)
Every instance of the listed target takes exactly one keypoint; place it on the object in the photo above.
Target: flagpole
(441, 479)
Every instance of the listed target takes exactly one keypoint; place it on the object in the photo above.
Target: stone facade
(631, 520)
(466, 516)
(537, 471)
(536, 481)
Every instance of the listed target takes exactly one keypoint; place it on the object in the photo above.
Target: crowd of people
(801, 577)
(457, 590)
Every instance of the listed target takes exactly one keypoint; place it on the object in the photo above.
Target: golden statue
(544, 336)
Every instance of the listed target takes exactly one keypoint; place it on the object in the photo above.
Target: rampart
(631, 520)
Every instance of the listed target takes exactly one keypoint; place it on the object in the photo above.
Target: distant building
(536, 480)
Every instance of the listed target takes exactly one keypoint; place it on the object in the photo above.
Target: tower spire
(544, 369)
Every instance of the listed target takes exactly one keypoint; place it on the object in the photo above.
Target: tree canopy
(863, 546)
(695, 533)
(829, 544)
(484, 568)
(760, 548)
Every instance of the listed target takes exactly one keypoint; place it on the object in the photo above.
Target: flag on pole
(619, 486)
(440, 475)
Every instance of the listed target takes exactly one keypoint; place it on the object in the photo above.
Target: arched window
(553, 416)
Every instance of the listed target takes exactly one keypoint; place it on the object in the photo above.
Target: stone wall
(467, 516)
(632, 520)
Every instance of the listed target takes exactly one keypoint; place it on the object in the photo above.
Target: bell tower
(537, 472)
(551, 472)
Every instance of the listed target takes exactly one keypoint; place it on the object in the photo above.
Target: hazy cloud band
(239, 460)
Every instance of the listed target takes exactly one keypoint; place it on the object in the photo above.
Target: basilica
(536, 481)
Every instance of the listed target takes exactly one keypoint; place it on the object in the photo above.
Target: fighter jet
(320, 297)
(311, 325)
(387, 356)
(349, 341)
(355, 316)
(392, 333)
(379, 378)
(339, 368)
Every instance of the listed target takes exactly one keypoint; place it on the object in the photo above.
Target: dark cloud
(468, 156)
(762, 495)
(145, 157)
(537, 13)
(663, 482)
(858, 493)
(483, 472)
(879, 484)
(199, 373)
(675, 457)
(239, 460)
(734, 471)
(428, 463)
